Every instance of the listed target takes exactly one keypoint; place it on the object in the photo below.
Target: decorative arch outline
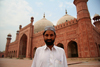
(72, 49)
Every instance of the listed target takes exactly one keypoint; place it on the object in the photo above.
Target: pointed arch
(23, 46)
(34, 51)
(72, 49)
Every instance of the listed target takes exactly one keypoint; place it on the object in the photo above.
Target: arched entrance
(60, 45)
(72, 49)
(34, 51)
(23, 46)
(2, 56)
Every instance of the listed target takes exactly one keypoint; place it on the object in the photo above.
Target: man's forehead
(49, 32)
(49, 28)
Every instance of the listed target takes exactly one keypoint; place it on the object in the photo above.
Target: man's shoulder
(59, 48)
(40, 48)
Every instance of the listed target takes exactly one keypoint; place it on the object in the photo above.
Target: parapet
(68, 23)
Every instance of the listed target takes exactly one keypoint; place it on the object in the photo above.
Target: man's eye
(51, 35)
(46, 35)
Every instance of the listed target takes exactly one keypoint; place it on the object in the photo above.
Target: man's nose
(49, 37)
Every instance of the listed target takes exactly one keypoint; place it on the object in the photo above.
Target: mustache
(49, 40)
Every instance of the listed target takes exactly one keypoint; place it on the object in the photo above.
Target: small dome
(41, 24)
(64, 19)
(96, 15)
(9, 34)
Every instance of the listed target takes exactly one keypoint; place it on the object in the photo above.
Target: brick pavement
(6, 62)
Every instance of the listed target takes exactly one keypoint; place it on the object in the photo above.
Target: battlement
(38, 34)
(71, 22)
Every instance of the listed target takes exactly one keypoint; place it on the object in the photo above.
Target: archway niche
(60, 45)
(34, 51)
(72, 49)
(23, 46)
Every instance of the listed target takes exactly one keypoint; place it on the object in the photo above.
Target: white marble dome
(41, 24)
(65, 18)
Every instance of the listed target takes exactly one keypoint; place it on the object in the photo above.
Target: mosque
(78, 36)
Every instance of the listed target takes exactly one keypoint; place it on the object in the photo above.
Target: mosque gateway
(77, 35)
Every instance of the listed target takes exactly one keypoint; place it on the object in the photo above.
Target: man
(49, 55)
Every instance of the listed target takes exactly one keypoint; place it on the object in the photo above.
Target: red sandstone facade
(79, 37)
(2, 54)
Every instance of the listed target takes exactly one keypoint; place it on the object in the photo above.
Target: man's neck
(50, 46)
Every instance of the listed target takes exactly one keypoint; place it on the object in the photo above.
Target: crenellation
(68, 23)
(38, 34)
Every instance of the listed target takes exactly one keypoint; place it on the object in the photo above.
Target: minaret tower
(7, 44)
(86, 44)
(96, 19)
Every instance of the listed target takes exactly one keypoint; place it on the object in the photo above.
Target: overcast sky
(18, 12)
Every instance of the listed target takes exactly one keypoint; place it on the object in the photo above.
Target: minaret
(31, 35)
(96, 19)
(86, 44)
(7, 44)
(20, 27)
(82, 9)
(17, 34)
(32, 20)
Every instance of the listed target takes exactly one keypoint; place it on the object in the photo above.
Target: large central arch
(23, 46)
(72, 49)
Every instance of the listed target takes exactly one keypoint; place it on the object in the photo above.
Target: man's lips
(49, 40)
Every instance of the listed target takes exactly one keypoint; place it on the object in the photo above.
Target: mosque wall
(12, 50)
(97, 40)
(66, 32)
(37, 41)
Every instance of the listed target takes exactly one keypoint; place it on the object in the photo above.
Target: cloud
(51, 0)
(69, 4)
(61, 5)
(54, 22)
(39, 4)
(14, 11)
(12, 14)
(50, 15)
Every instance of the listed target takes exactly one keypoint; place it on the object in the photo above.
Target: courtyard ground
(7, 62)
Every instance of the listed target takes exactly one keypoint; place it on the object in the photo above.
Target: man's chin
(49, 43)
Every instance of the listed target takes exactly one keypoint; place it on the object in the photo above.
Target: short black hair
(45, 31)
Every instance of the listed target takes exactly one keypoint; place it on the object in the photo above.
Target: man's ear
(43, 36)
(55, 36)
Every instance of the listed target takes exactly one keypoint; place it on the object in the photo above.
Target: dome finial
(65, 11)
(44, 15)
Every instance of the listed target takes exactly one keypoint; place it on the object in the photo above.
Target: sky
(18, 12)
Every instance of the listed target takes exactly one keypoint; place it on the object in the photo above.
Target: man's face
(49, 37)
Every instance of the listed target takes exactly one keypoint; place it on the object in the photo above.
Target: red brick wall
(1, 54)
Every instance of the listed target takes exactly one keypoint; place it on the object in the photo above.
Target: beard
(49, 43)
